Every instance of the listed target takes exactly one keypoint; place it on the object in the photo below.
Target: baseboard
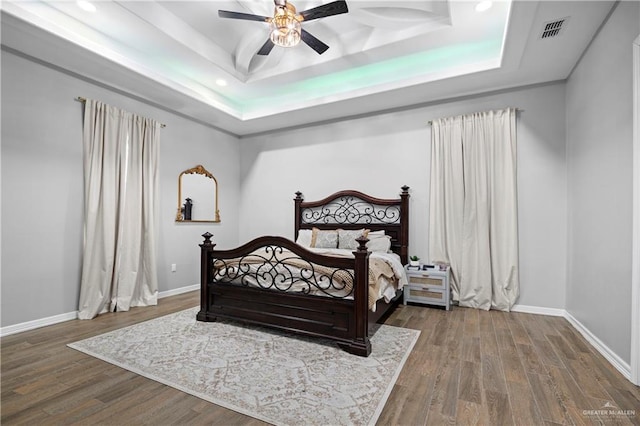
(43, 322)
(554, 312)
(177, 291)
(612, 357)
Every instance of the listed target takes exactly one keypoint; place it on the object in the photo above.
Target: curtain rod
(517, 110)
(83, 100)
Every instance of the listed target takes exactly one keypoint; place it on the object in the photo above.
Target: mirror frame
(201, 171)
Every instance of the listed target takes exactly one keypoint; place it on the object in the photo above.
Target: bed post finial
(299, 196)
(207, 240)
(362, 243)
(405, 189)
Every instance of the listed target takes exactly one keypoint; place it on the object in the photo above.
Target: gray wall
(379, 154)
(42, 189)
(600, 171)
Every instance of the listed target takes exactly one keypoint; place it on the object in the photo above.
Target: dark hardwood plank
(469, 388)
(455, 335)
(546, 354)
(530, 359)
(512, 363)
(534, 331)
(393, 411)
(562, 348)
(492, 374)
(443, 405)
(518, 332)
(499, 408)
(524, 408)
(548, 402)
(568, 390)
(471, 349)
(469, 413)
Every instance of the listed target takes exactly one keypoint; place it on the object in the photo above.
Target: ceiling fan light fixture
(285, 27)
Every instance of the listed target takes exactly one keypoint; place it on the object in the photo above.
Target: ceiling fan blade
(313, 42)
(245, 16)
(266, 48)
(329, 9)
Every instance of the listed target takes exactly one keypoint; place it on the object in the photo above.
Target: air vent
(554, 28)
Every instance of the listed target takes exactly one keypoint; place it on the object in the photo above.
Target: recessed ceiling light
(221, 82)
(86, 6)
(484, 5)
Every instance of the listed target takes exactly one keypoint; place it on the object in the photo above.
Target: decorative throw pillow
(347, 239)
(375, 234)
(304, 237)
(324, 239)
(379, 243)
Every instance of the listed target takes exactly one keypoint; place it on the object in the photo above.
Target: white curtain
(121, 153)
(473, 218)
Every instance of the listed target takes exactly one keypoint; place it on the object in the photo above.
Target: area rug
(280, 378)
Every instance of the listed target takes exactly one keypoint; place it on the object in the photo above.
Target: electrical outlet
(173, 267)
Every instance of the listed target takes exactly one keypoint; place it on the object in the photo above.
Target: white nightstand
(428, 286)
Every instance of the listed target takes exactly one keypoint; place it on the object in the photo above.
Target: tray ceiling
(379, 50)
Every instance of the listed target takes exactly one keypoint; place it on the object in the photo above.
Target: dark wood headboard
(354, 210)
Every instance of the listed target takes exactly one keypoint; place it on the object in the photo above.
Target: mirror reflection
(197, 196)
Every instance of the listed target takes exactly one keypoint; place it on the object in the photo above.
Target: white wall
(379, 154)
(42, 195)
(600, 169)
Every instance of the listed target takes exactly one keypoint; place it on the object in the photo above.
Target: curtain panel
(473, 221)
(121, 153)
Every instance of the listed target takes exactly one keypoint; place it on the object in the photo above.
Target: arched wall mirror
(197, 196)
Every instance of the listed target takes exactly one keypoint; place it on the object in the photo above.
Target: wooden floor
(468, 367)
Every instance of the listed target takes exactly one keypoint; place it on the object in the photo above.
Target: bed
(276, 282)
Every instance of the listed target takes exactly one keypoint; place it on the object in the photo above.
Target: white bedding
(387, 288)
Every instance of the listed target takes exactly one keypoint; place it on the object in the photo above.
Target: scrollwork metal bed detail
(326, 296)
(277, 268)
(350, 210)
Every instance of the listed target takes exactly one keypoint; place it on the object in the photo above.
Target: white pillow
(379, 243)
(304, 237)
(375, 234)
(347, 239)
(324, 239)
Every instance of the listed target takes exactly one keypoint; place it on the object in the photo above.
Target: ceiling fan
(285, 24)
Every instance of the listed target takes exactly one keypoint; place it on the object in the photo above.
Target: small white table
(429, 286)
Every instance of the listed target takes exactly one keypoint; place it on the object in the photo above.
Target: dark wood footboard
(342, 319)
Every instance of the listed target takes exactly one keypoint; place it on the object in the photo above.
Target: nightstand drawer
(424, 295)
(425, 280)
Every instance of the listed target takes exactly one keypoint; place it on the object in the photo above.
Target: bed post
(404, 223)
(297, 213)
(361, 345)
(205, 269)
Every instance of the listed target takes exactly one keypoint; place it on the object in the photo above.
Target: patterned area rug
(279, 378)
